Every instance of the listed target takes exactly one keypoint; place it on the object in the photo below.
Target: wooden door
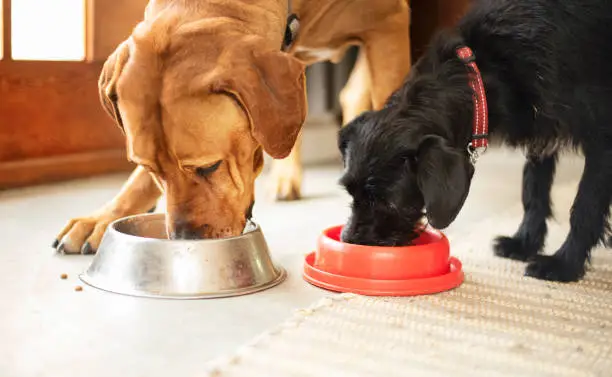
(52, 126)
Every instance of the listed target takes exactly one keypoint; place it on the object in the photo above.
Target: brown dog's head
(199, 105)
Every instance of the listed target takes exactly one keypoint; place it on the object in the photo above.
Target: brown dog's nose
(183, 230)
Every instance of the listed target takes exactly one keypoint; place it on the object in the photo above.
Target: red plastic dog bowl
(425, 267)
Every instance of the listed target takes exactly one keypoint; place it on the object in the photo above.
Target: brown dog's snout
(185, 230)
(180, 229)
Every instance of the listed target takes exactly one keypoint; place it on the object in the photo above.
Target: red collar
(480, 128)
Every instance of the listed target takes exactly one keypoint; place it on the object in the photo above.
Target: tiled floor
(48, 329)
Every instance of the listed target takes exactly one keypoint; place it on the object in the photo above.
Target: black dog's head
(408, 160)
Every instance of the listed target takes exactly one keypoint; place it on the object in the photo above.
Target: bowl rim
(443, 240)
(281, 276)
(383, 287)
(112, 228)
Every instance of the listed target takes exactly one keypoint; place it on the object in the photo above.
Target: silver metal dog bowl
(136, 258)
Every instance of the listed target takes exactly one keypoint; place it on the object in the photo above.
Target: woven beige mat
(498, 323)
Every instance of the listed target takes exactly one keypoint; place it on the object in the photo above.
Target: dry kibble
(78, 288)
(64, 276)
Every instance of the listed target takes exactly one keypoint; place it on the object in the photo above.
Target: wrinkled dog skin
(548, 84)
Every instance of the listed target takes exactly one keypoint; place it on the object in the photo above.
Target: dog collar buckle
(291, 31)
(475, 152)
(292, 28)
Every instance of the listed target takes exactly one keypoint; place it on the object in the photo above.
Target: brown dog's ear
(107, 82)
(444, 175)
(270, 86)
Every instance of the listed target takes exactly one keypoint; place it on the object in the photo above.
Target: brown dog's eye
(205, 171)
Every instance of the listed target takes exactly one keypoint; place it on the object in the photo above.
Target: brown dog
(201, 90)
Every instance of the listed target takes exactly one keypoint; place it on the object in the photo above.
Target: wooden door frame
(35, 79)
(6, 30)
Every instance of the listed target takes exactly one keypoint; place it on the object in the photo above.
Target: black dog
(546, 70)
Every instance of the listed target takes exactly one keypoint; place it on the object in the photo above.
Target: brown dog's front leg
(138, 195)
(286, 174)
(389, 57)
(356, 96)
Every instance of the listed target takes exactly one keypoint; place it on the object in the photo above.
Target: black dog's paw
(554, 269)
(513, 248)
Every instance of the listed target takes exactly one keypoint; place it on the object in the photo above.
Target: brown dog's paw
(287, 191)
(286, 180)
(82, 235)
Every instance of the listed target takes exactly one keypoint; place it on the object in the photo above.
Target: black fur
(547, 68)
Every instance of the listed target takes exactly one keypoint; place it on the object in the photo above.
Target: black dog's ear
(444, 175)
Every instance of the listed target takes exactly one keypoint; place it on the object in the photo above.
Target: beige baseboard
(59, 168)
(319, 146)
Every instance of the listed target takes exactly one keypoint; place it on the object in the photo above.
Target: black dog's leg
(588, 221)
(538, 175)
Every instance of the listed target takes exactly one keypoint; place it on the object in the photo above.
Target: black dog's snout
(358, 234)
(385, 231)
(346, 235)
